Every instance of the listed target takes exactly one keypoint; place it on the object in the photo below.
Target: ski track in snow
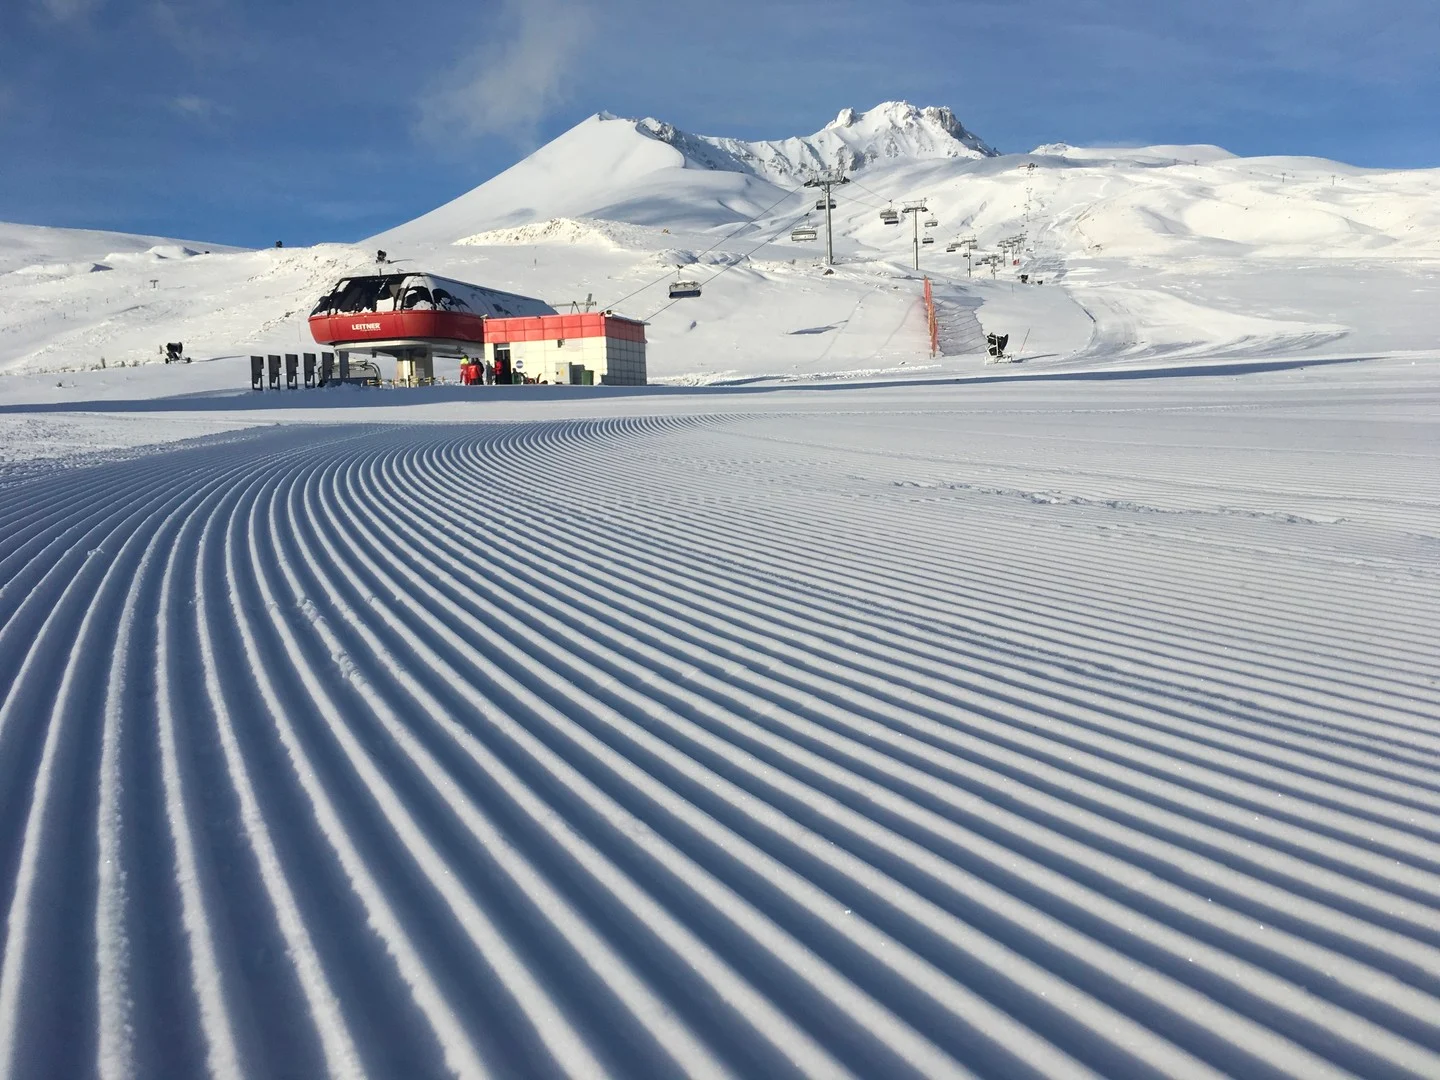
(725, 746)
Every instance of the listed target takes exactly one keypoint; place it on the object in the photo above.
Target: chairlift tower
(1029, 193)
(915, 210)
(969, 243)
(825, 183)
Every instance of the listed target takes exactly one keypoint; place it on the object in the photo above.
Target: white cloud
(211, 32)
(506, 86)
(71, 10)
(196, 107)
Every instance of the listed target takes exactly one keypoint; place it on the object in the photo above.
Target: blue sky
(247, 121)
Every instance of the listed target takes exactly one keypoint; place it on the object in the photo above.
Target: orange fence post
(933, 320)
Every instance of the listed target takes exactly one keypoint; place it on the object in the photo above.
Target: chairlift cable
(866, 202)
(877, 195)
(769, 239)
(707, 251)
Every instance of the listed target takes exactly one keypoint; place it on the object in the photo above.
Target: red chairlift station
(415, 317)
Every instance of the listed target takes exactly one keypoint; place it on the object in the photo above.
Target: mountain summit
(649, 172)
(891, 131)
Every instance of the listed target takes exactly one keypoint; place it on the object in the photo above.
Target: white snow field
(1079, 725)
(1163, 254)
(830, 710)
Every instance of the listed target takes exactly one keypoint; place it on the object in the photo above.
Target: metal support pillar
(915, 210)
(825, 183)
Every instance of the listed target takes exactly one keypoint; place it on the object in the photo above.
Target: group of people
(475, 371)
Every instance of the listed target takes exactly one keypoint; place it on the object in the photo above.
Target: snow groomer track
(735, 746)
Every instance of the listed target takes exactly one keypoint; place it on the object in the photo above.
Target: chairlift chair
(952, 247)
(684, 290)
(802, 233)
(932, 224)
(927, 240)
(821, 204)
(890, 217)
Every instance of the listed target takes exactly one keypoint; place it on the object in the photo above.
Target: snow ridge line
(437, 759)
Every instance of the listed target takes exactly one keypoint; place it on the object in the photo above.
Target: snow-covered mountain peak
(930, 129)
(650, 172)
(893, 131)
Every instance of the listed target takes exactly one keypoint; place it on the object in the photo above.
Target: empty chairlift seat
(801, 233)
(927, 240)
(932, 224)
(890, 217)
(821, 204)
(682, 290)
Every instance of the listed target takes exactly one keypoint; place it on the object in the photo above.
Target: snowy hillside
(603, 167)
(651, 173)
(833, 710)
(41, 251)
(1165, 252)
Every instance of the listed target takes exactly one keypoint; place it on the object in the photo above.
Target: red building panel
(390, 325)
(457, 326)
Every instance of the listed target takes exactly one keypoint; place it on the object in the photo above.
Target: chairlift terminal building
(594, 347)
(415, 317)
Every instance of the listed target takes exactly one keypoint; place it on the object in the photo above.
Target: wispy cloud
(70, 11)
(206, 32)
(195, 107)
(509, 83)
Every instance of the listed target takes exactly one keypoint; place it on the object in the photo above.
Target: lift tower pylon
(825, 183)
(915, 210)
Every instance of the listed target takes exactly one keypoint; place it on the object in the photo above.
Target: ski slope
(1165, 254)
(1082, 725)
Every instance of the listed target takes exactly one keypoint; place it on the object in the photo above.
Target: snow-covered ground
(827, 709)
(1163, 253)
(1062, 726)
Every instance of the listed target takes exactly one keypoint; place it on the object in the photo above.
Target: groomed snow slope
(1041, 727)
(1154, 257)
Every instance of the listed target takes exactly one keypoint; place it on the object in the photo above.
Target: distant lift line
(676, 293)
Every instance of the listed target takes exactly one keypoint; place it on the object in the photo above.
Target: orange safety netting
(933, 320)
